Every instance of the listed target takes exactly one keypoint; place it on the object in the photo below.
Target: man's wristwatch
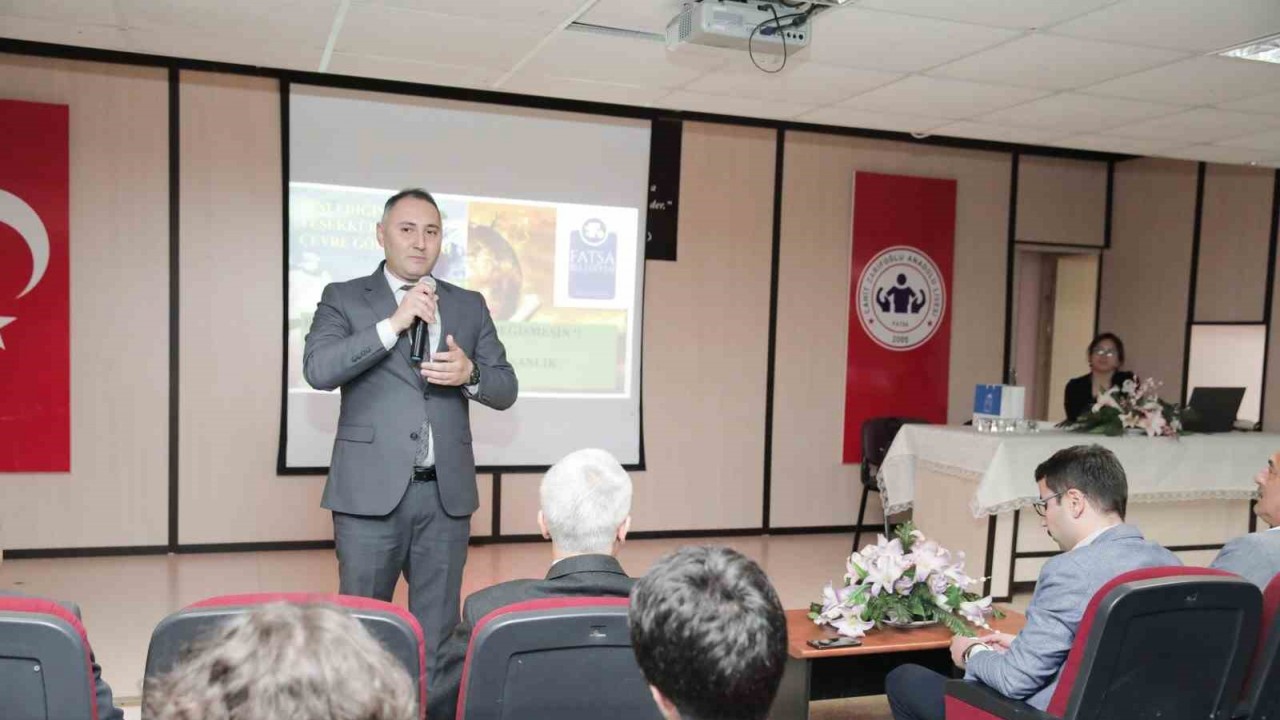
(974, 648)
(475, 375)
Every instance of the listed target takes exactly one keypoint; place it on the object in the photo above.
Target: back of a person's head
(1093, 470)
(710, 634)
(285, 662)
(585, 498)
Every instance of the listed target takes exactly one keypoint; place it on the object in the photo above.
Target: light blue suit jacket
(1029, 670)
(1254, 557)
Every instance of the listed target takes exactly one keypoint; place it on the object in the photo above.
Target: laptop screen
(1215, 408)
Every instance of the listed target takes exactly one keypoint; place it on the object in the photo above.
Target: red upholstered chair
(45, 671)
(1262, 691)
(1168, 643)
(566, 658)
(392, 625)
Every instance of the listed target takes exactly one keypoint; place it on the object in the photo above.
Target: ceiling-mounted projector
(734, 23)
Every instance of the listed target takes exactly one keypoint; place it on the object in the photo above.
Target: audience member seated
(1256, 556)
(1083, 494)
(307, 662)
(1106, 357)
(586, 506)
(709, 635)
(107, 709)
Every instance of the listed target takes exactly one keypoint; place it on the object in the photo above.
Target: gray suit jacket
(385, 399)
(581, 576)
(1254, 557)
(107, 709)
(1029, 670)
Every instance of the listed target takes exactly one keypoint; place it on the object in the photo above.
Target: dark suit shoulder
(483, 602)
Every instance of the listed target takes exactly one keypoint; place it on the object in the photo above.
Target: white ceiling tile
(226, 46)
(276, 22)
(623, 61)
(1055, 62)
(1076, 113)
(574, 89)
(651, 16)
(1219, 154)
(846, 117)
(1201, 125)
(1000, 133)
(720, 105)
(428, 37)
(1269, 103)
(56, 31)
(1194, 26)
(1268, 141)
(373, 66)
(72, 11)
(1197, 81)
(543, 15)
(1021, 14)
(1114, 144)
(885, 41)
(919, 95)
(808, 83)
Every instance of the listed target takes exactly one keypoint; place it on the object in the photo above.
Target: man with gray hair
(586, 512)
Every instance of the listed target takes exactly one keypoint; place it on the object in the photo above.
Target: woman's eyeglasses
(1105, 352)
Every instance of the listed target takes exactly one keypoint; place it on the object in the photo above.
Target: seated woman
(1106, 357)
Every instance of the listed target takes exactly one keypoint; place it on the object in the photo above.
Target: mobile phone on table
(831, 643)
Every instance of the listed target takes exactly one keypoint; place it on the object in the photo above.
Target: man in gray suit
(402, 480)
(1256, 556)
(586, 512)
(1083, 493)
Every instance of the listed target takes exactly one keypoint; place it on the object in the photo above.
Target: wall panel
(1235, 229)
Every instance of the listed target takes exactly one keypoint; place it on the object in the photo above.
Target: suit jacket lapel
(448, 314)
(378, 293)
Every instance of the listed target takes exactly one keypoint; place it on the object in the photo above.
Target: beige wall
(1075, 294)
(1061, 201)
(1145, 274)
(117, 491)
(810, 484)
(1235, 231)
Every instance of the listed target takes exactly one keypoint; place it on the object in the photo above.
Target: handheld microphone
(419, 334)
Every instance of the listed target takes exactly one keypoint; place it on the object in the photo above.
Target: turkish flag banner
(35, 287)
(899, 350)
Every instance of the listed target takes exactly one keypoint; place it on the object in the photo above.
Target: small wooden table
(856, 671)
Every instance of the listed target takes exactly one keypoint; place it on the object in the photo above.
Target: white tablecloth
(1193, 467)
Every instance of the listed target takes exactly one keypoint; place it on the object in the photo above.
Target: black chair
(391, 625)
(1167, 643)
(45, 672)
(877, 436)
(1262, 692)
(567, 658)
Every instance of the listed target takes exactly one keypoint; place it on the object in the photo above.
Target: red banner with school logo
(35, 303)
(899, 301)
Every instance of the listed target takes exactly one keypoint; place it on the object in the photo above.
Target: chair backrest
(1262, 693)
(393, 626)
(45, 671)
(877, 435)
(568, 658)
(1165, 642)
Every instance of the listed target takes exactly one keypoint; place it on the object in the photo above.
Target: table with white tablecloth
(973, 491)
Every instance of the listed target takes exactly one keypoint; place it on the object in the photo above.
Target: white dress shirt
(389, 338)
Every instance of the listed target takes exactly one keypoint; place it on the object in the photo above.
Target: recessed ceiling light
(1265, 49)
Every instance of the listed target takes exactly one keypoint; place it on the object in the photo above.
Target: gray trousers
(419, 539)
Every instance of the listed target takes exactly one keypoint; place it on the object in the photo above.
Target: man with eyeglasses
(1256, 556)
(1083, 493)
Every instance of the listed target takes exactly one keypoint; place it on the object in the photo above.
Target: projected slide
(543, 214)
(557, 277)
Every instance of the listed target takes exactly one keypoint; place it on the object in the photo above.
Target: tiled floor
(124, 598)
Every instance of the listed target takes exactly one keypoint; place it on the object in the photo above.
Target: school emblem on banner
(899, 331)
(901, 298)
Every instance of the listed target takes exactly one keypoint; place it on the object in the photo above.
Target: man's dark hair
(416, 193)
(1115, 340)
(709, 632)
(1091, 469)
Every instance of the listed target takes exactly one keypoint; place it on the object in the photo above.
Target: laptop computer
(1214, 409)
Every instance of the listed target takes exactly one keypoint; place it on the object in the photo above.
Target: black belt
(427, 474)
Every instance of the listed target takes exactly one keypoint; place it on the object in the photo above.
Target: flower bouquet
(905, 580)
(1132, 406)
